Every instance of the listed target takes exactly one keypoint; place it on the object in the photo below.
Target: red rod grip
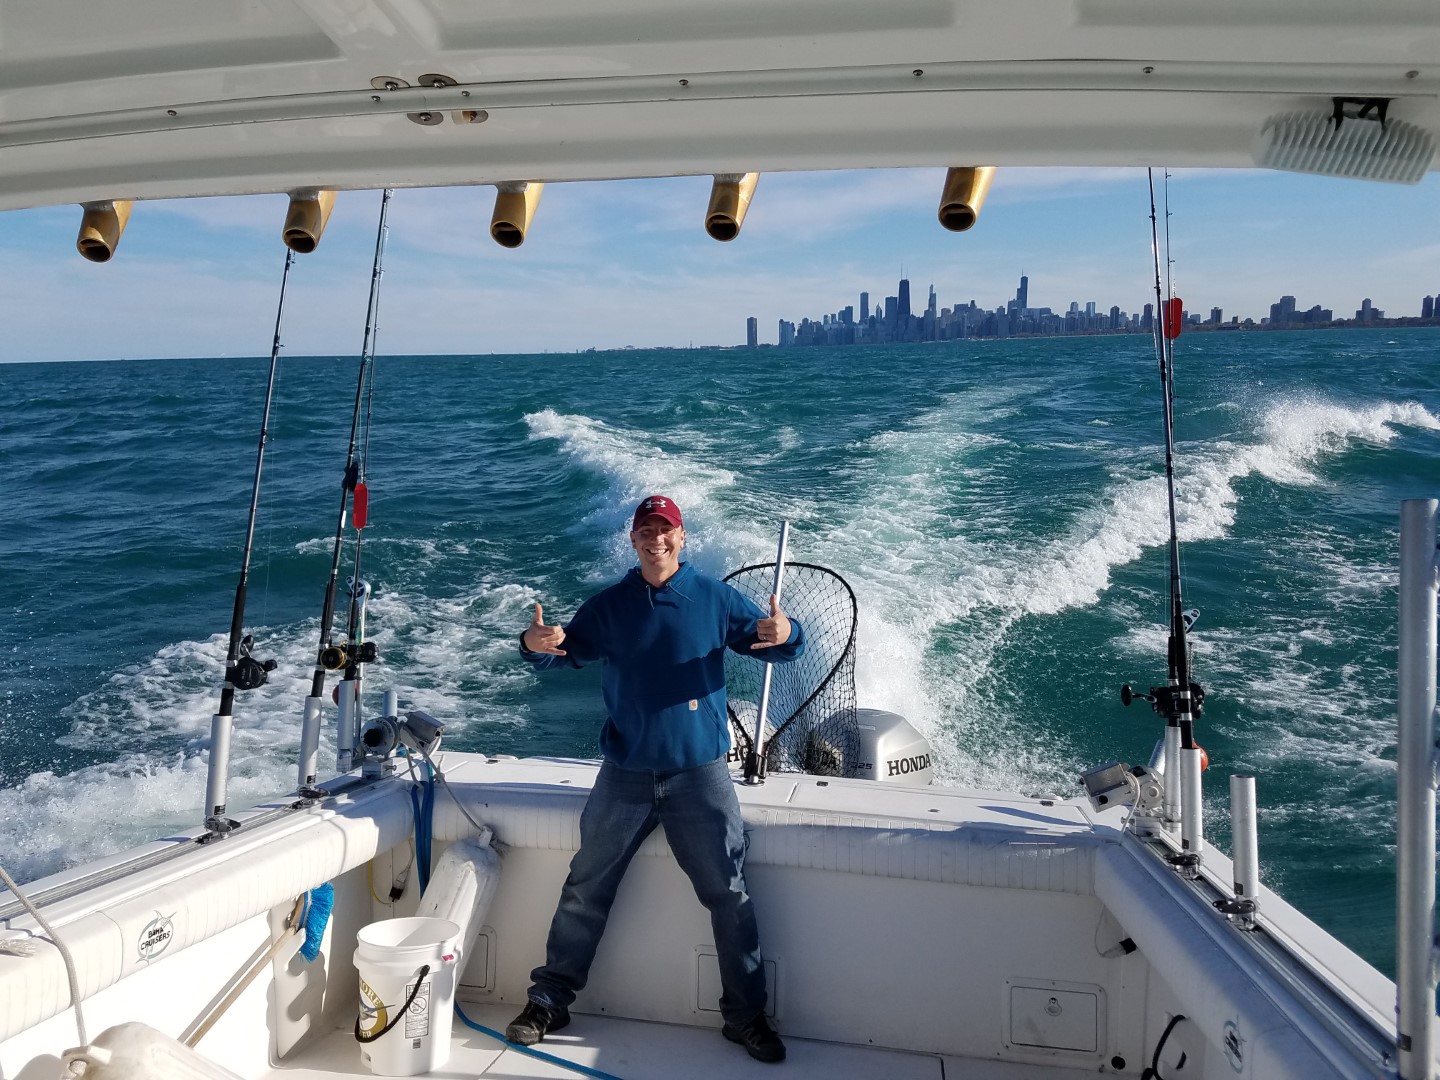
(1174, 317)
(360, 506)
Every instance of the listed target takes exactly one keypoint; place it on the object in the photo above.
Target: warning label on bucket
(417, 1017)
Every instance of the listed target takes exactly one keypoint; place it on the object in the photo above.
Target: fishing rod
(243, 671)
(354, 496)
(358, 653)
(1180, 701)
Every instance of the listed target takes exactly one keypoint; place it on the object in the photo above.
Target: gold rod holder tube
(514, 211)
(729, 200)
(101, 228)
(964, 195)
(306, 219)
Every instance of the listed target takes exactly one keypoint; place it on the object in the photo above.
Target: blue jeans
(702, 823)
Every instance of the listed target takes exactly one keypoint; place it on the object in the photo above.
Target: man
(661, 633)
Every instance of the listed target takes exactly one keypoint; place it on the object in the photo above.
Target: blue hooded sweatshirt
(664, 656)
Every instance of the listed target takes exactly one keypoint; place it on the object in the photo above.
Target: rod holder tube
(1244, 838)
(309, 743)
(345, 727)
(306, 219)
(101, 228)
(1172, 772)
(392, 703)
(963, 196)
(1192, 824)
(1415, 815)
(514, 211)
(218, 777)
(730, 197)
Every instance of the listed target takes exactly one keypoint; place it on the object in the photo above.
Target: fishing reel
(1164, 699)
(248, 673)
(336, 657)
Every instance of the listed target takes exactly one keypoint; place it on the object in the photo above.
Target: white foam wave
(922, 581)
(1299, 432)
(633, 466)
(431, 652)
(418, 549)
(1134, 515)
(51, 822)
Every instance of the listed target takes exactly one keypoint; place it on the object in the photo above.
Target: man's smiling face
(658, 543)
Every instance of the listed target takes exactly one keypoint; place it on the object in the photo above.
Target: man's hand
(773, 631)
(546, 639)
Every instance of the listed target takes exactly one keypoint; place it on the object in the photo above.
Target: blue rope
(583, 1070)
(422, 800)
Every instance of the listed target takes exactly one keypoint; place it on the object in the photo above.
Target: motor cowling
(891, 750)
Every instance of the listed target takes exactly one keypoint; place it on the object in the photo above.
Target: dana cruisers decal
(1234, 1045)
(155, 938)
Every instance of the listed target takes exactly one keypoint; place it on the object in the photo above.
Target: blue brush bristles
(318, 906)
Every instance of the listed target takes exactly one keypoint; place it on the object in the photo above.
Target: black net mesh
(810, 719)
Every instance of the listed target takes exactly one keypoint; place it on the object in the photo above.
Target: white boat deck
(911, 932)
(637, 1050)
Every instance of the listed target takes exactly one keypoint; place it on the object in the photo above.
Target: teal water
(997, 506)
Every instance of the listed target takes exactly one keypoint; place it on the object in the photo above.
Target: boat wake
(944, 580)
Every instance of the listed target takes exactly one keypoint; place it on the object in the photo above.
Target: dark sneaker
(758, 1037)
(535, 1021)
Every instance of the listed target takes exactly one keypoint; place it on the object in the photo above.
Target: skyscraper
(905, 299)
(752, 331)
(864, 306)
(1022, 294)
(1283, 312)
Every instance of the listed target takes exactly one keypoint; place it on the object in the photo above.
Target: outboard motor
(891, 749)
(813, 725)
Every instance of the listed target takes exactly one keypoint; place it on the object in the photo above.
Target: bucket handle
(414, 992)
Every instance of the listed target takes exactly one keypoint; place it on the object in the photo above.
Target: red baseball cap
(658, 506)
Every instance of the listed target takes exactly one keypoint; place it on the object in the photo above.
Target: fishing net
(810, 719)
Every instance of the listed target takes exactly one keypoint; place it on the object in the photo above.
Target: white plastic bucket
(389, 956)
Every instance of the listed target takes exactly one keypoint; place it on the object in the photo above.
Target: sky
(627, 263)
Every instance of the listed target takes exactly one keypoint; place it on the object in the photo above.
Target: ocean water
(997, 506)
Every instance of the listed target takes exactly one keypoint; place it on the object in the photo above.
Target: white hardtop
(168, 98)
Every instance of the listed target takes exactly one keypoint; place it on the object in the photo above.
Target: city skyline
(626, 263)
(894, 321)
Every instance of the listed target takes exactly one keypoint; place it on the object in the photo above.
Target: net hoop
(844, 657)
